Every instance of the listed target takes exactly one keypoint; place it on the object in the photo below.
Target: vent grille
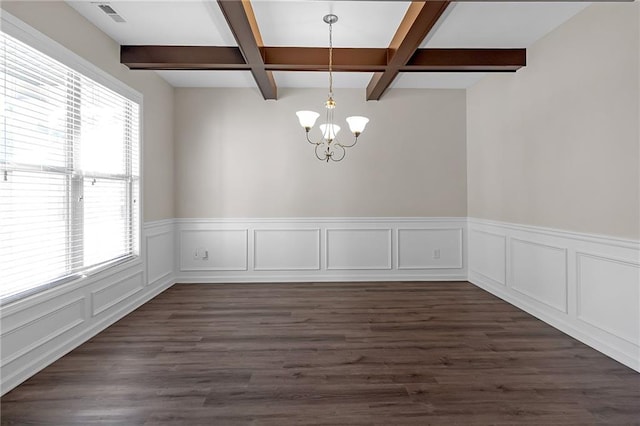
(107, 9)
(110, 11)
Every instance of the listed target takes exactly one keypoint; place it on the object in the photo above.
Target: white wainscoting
(39, 329)
(321, 249)
(585, 285)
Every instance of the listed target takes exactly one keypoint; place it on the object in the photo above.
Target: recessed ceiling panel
(198, 23)
(299, 23)
(499, 24)
(208, 78)
(436, 80)
(344, 80)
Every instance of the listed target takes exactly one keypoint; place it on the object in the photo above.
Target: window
(69, 179)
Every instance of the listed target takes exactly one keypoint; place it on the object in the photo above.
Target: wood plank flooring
(396, 353)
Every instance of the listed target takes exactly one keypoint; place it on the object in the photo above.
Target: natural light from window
(69, 182)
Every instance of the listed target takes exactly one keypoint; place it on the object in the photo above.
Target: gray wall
(239, 156)
(556, 144)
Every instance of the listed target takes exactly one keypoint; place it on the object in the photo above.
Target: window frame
(23, 32)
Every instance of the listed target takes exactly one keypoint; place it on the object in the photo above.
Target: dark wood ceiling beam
(182, 58)
(419, 20)
(466, 60)
(315, 59)
(242, 22)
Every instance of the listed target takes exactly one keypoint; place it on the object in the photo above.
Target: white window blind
(70, 174)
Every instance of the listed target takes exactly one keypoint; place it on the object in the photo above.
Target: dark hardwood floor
(328, 354)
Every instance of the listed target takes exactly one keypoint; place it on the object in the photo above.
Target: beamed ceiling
(377, 44)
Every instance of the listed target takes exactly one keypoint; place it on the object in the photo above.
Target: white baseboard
(299, 278)
(587, 286)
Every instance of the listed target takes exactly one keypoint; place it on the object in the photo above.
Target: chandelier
(328, 148)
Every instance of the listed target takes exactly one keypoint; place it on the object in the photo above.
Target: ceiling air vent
(111, 12)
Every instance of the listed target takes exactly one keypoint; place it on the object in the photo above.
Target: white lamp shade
(329, 131)
(357, 124)
(307, 118)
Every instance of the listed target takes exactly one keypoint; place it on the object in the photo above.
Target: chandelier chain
(330, 59)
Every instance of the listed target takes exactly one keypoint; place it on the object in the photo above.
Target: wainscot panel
(430, 248)
(489, 259)
(160, 255)
(286, 249)
(213, 250)
(540, 272)
(608, 295)
(359, 249)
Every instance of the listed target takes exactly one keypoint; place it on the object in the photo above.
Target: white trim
(595, 238)
(326, 272)
(83, 282)
(574, 247)
(149, 279)
(314, 220)
(97, 311)
(58, 332)
(579, 256)
(163, 225)
(502, 283)
(302, 278)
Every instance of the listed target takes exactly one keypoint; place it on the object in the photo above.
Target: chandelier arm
(355, 141)
(344, 153)
(316, 152)
(310, 141)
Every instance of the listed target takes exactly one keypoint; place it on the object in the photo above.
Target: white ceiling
(198, 23)
(299, 23)
(500, 24)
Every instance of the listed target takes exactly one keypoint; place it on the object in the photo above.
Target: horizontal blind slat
(69, 152)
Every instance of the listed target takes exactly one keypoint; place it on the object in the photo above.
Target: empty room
(289, 212)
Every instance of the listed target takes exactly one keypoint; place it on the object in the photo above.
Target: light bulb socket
(330, 104)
